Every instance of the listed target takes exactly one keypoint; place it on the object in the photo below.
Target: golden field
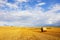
(25, 33)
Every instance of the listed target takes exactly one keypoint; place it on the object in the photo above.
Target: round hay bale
(43, 29)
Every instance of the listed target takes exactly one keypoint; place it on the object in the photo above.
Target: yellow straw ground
(14, 33)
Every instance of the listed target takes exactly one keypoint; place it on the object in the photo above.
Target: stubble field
(21, 33)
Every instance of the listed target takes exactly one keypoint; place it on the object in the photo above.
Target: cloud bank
(12, 14)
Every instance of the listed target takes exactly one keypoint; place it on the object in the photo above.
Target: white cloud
(40, 4)
(11, 5)
(53, 17)
(2, 23)
(30, 16)
(21, 13)
(56, 7)
(3, 1)
(22, 0)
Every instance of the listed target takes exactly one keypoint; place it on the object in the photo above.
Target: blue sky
(30, 12)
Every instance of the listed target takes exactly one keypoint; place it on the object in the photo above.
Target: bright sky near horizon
(30, 12)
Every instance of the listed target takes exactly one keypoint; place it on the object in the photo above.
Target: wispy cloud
(22, 0)
(40, 4)
(30, 16)
(53, 14)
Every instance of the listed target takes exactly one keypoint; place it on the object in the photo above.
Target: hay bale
(43, 29)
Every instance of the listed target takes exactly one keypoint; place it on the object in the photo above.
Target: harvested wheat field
(16, 33)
